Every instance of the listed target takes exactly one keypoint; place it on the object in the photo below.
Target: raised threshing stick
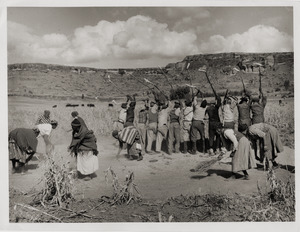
(243, 83)
(200, 70)
(187, 68)
(108, 77)
(260, 88)
(166, 77)
(226, 93)
(155, 86)
(140, 81)
(260, 74)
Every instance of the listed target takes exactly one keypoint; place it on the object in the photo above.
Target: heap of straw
(123, 193)
(58, 184)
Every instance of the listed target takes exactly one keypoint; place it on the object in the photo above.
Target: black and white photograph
(156, 114)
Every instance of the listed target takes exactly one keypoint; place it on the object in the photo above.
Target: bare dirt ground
(167, 184)
(159, 177)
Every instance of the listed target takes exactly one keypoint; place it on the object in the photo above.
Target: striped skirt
(15, 152)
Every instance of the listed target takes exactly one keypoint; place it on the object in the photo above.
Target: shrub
(179, 93)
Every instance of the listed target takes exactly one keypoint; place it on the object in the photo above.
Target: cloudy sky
(132, 37)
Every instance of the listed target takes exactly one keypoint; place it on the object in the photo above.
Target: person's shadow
(31, 166)
(223, 173)
(289, 168)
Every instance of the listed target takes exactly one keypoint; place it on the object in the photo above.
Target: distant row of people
(232, 125)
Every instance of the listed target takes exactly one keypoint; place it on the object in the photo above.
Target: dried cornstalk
(123, 193)
(58, 184)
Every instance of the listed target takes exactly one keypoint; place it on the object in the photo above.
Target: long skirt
(243, 158)
(87, 162)
(15, 153)
(273, 143)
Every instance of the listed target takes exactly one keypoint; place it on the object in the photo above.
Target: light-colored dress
(244, 157)
(87, 162)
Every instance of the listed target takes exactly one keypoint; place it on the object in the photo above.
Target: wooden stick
(35, 209)
(166, 77)
(243, 83)
(140, 81)
(155, 87)
(210, 84)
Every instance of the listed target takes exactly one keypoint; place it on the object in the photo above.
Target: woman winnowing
(22, 144)
(84, 147)
(242, 152)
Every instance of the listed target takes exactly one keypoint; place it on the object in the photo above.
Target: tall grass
(100, 119)
(282, 117)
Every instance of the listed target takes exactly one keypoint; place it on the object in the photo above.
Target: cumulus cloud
(259, 38)
(24, 45)
(139, 37)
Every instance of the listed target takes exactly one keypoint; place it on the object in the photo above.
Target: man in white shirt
(119, 124)
(162, 126)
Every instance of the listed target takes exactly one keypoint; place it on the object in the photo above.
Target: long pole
(210, 83)
(243, 83)
(259, 78)
(187, 68)
(166, 78)
(115, 85)
(140, 81)
(155, 87)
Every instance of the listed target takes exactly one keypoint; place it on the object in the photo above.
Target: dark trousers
(174, 134)
(212, 132)
(198, 126)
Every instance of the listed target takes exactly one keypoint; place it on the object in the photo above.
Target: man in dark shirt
(130, 111)
(244, 110)
(174, 129)
(258, 107)
(213, 123)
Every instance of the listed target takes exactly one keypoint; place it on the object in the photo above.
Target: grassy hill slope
(57, 81)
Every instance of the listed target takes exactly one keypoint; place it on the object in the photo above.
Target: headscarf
(74, 114)
(82, 139)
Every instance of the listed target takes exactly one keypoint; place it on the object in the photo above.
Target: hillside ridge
(225, 71)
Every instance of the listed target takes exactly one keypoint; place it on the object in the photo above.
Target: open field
(169, 189)
(161, 179)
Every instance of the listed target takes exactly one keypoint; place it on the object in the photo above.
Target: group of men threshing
(236, 126)
(233, 125)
